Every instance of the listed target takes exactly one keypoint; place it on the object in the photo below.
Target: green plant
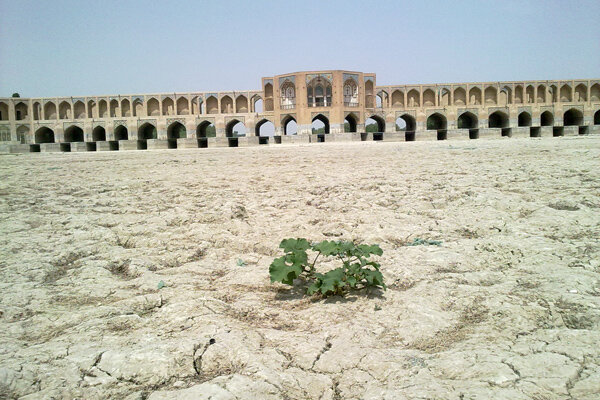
(356, 272)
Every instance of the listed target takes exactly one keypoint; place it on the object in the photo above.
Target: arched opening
(79, 110)
(398, 98)
(475, 96)
(121, 133)
(92, 109)
(406, 123)
(64, 110)
(350, 93)
(73, 134)
(320, 126)
(524, 119)
(37, 111)
(212, 105)
(597, 118)
(235, 128)
(44, 135)
(595, 93)
(505, 96)
(258, 105)
(445, 99)
(428, 98)
(554, 93)
(183, 106)
(318, 92)
(565, 94)
(369, 100)
(268, 97)
(350, 123)
(519, 95)
(491, 95)
(99, 134)
(290, 127)
(125, 108)
(529, 94)
(103, 109)
(138, 108)
(541, 94)
(498, 119)
(3, 111)
(467, 120)
(168, 106)
(152, 107)
(436, 121)
(114, 108)
(195, 109)
(175, 131)
(206, 129)
(413, 98)
(375, 124)
(147, 131)
(23, 134)
(460, 97)
(264, 129)
(241, 104)
(226, 105)
(49, 110)
(546, 119)
(581, 92)
(573, 117)
(20, 111)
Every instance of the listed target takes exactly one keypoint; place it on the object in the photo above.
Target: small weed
(127, 243)
(424, 242)
(241, 263)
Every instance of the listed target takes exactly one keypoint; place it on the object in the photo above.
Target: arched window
(319, 92)
(350, 93)
(288, 95)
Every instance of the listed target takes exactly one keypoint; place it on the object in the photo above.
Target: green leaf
(241, 263)
(374, 278)
(161, 285)
(370, 249)
(294, 245)
(282, 272)
(352, 281)
(326, 247)
(332, 280)
(314, 288)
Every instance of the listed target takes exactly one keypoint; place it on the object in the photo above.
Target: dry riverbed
(506, 307)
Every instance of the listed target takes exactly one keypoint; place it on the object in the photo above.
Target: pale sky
(72, 48)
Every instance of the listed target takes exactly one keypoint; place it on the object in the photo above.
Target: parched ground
(507, 307)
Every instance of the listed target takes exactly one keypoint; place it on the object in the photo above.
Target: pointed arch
(290, 126)
(49, 113)
(121, 133)
(92, 109)
(413, 98)
(103, 109)
(428, 98)
(565, 94)
(234, 123)
(573, 117)
(125, 108)
(460, 96)
(152, 107)
(320, 122)
(241, 104)
(498, 119)
(529, 94)
(406, 123)
(467, 120)
(138, 108)
(541, 94)
(183, 106)
(21, 111)
(581, 93)
(268, 104)
(37, 111)
(375, 124)
(490, 95)
(518, 94)
(168, 106)
(147, 131)
(436, 121)
(44, 135)
(475, 96)
(73, 134)
(99, 134)
(264, 127)
(505, 96)
(114, 108)
(212, 105)
(205, 129)
(524, 119)
(79, 110)
(595, 93)
(350, 123)
(546, 119)
(64, 110)
(445, 97)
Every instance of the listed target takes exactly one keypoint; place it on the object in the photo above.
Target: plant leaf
(282, 272)
(294, 245)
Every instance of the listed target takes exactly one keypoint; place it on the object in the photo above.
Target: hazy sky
(67, 48)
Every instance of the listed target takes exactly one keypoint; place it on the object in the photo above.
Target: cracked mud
(507, 306)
